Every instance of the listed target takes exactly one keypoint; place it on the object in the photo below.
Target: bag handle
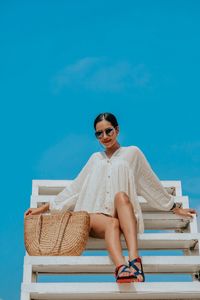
(57, 233)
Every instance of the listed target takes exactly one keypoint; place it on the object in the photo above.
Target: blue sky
(64, 62)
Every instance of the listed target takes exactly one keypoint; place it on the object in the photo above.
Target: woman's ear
(117, 129)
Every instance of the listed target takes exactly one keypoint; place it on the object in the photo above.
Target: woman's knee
(113, 223)
(97, 225)
(100, 221)
(121, 198)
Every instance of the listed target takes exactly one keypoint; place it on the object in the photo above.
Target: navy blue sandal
(138, 271)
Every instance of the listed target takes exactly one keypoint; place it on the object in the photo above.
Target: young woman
(107, 187)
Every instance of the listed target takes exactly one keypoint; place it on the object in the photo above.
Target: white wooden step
(103, 264)
(37, 200)
(53, 187)
(161, 220)
(164, 221)
(153, 241)
(153, 219)
(112, 290)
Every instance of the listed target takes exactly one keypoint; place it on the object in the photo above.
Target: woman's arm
(38, 210)
(67, 198)
(186, 212)
(149, 186)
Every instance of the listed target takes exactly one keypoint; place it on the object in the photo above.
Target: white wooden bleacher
(173, 233)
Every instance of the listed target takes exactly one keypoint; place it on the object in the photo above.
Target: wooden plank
(193, 225)
(25, 296)
(164, 221)
(112, 290)
(63, 182)
(147, 208)
(45, 187)
(153, 241)
(41, 199)
(103, 264)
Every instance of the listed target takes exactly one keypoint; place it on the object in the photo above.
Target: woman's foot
(136, 269)
(123, 274)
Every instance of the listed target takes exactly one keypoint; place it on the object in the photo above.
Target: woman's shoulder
(132, 148)
(94, 155)
(125, 149)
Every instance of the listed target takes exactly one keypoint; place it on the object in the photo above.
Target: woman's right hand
(36, 211)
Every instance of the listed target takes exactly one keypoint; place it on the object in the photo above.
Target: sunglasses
(109, 131)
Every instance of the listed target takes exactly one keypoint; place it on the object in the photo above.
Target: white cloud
(100, 74)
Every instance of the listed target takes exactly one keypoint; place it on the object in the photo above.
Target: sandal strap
(132, 264)
(123, 270)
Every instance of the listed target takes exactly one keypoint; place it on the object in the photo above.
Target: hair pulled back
(108, 117)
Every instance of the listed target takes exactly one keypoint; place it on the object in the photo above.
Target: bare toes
(125, 273)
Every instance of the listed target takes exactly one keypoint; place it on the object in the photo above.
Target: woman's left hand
(186, 212)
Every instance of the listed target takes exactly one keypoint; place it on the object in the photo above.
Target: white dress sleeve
(148, 184)
(68, 197)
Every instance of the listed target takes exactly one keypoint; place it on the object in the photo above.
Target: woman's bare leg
(125, 213)
(107, 227)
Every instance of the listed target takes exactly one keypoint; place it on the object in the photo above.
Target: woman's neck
(112, 149)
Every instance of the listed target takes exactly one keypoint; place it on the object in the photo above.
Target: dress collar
(114, 153)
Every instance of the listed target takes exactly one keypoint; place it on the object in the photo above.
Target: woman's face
(107, 140)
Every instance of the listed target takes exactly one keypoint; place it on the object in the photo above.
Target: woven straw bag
(62, 233)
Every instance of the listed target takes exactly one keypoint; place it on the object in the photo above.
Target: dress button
(107, 192)
(108, 176)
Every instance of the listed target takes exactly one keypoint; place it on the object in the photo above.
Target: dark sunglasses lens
(98, 134)
(109, 131)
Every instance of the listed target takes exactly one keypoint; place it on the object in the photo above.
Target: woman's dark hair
(108, 117)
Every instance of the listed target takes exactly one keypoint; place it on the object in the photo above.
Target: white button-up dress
(127, 170)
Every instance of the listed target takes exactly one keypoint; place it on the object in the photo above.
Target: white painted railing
(173, 233)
